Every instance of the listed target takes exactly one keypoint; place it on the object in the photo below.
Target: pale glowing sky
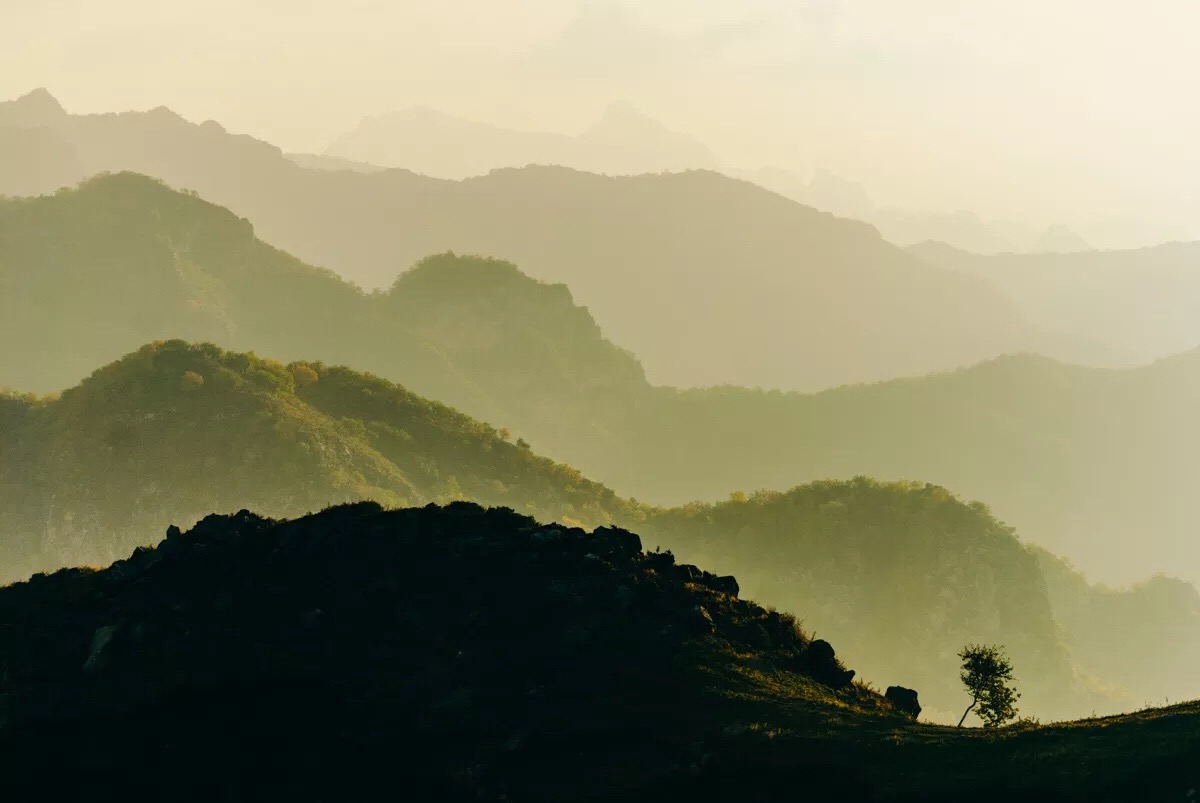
(1035, 110)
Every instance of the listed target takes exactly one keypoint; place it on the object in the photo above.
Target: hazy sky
(1036, 110)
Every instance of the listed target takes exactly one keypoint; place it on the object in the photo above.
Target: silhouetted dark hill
(486, 654)
(459, 653)
(1138, 303)
(769, 292)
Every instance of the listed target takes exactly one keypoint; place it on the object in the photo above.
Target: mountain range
(627, 142)
(1033, 437)
(468, 463)
(1138, 302)
(762, 286)
(963, 229)
(623, 142)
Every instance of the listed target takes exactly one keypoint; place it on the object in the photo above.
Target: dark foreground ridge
(460, 653)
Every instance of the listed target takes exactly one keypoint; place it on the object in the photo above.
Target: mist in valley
(887, 312)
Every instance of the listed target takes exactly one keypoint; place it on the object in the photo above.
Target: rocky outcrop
(903, 700)
(819, 660)
(494, 657)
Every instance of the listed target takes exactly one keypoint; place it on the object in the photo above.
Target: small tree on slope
(987, 674)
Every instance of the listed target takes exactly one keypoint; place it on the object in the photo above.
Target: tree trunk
(964, 716)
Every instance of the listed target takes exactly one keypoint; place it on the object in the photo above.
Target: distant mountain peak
(40, 97)
(623, 118)
(1059, 239)
(33, 109)
(418, 113)
(165, 113)
(624, 112)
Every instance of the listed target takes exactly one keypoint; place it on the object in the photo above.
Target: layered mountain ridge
(1137, 302)
(759, 281)
(900, 574)
(1031, 436)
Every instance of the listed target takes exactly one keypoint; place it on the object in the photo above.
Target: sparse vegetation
(325, 657)
(987, 675)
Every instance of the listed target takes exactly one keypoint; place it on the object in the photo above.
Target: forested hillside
(175, 431)
(145, 263)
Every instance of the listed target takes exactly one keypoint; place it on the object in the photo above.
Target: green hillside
(144, 262)
(147, 263)
(174, 431)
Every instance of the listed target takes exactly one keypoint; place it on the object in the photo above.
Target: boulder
(660, 561)
(618, 540)
(822, 664)
(903, 700)
(726, 584)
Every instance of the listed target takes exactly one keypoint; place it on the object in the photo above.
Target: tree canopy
(987, 675)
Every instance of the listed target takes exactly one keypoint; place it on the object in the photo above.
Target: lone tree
(987, 674)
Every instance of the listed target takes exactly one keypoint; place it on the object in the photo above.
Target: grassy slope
(338, 640)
